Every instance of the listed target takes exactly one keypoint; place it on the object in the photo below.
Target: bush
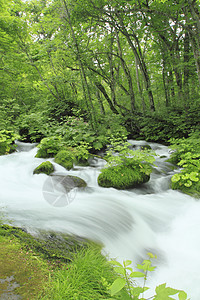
(45, 167)
(32, 127)
(49, 147)
(7, 141)
(187, 156)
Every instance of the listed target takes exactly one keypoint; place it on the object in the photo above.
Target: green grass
(86, 278)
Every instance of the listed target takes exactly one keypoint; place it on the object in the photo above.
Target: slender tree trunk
(85, 86)
(141, 63)
(186, 71)
(100, 102)
(103, 91)
(127, 74)
(139, 86)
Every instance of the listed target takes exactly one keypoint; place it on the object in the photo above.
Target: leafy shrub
(187, 156)
(161, 126)
(7, 139)
(126, 168)
(32, 127)
(120, 154)
(127, 279)
(45, 167)
(9, 111)
(49, 146)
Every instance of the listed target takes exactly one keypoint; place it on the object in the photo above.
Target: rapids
(128, 223)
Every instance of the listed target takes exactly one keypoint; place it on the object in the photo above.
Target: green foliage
(9, 110)
(32, 127)
(65, 159)
(128, 278)
(75, 132)
(85, 278)
(45, 167)
(120, 154)
(164, 125)
(187, 156)
(49, 146)
(7, 139)
(125, 168)
(122, 176)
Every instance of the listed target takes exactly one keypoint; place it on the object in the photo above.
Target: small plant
(120, 154)
(127, 279)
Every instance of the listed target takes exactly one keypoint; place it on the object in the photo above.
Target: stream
(152, 218)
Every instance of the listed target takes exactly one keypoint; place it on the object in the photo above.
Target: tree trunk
(85, 86)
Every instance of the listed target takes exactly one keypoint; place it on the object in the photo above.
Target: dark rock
(69, 182)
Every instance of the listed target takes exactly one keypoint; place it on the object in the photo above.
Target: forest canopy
(107, 61)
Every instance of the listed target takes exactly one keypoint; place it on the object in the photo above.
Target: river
(129, 223)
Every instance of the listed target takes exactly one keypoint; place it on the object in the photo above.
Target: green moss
(25, 269)
(45, 167)
(122, 177)
(65, 159)
(30, 259)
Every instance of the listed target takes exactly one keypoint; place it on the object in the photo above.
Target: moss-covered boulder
(45, 167)
(122, 177)
(65, 159)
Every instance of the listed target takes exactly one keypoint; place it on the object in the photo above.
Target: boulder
(45, 167)
(69, 182)
(65, 159)
(122, 177)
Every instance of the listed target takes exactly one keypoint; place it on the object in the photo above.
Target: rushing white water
(129, 223)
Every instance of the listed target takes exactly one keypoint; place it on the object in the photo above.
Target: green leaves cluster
(128, 279)
(187, 156)
(7, 139)
(119, 153)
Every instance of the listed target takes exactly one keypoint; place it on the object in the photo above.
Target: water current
(129, 223)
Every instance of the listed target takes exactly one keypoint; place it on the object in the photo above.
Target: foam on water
(129, 223)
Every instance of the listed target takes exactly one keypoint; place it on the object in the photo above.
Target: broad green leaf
(182, 295)
(137, 274)
(115, 262)
(188, 183)
(120, 270)
(117, 286)
(127, 263)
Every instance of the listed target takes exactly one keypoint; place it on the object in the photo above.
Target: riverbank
(22, 272)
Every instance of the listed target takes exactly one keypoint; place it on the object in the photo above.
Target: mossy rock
(45, 167)
(65, 159)
(82, 162)
(122, 177)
